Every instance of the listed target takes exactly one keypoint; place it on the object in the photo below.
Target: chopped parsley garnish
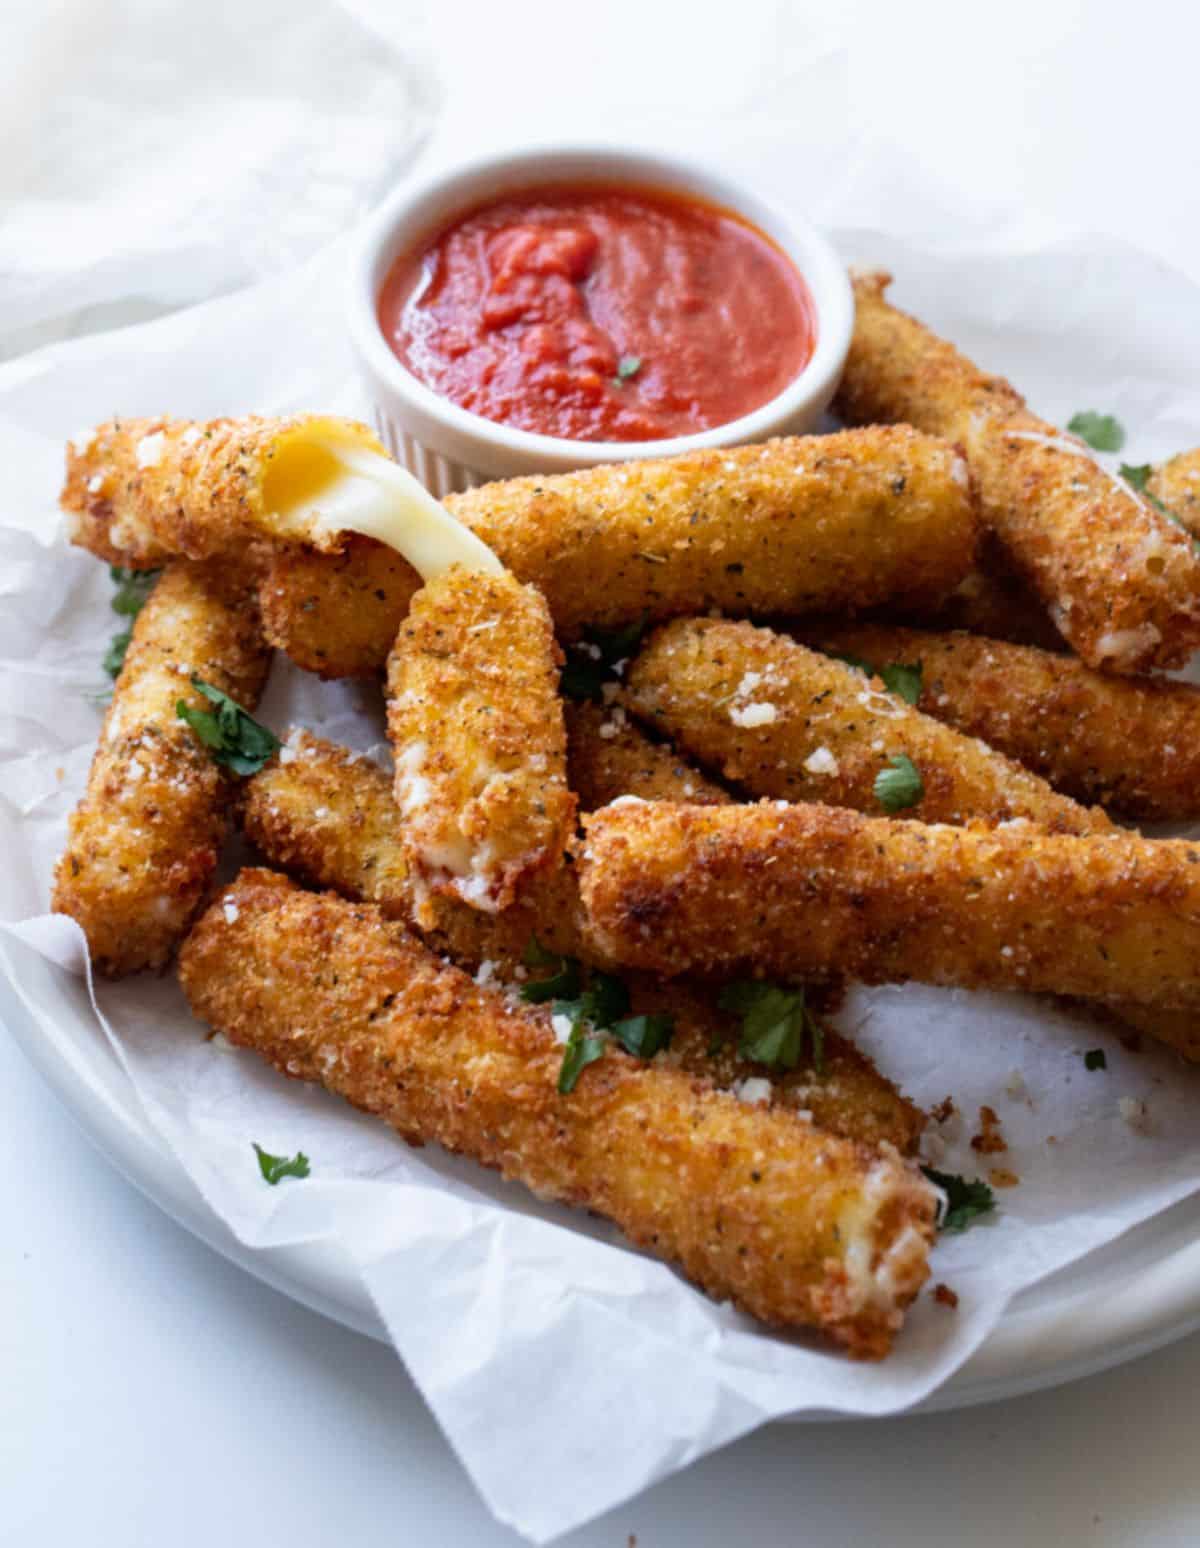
(897, 676)
(643, 1036)
(1137, 475)
(581, 1050)
(627, 367)
(900, 785)
(597, 1012)
(235, 739)
(564, 983)
(114, 656)
(1101, 431)
(965, 1201)
(591, 661)
(904, 680)
(132, 589)
(1095, 1059)
(274, 1168)
(776, 1023)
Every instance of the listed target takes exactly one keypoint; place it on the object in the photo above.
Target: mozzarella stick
(782, 720)
(143, 491)
(798, 891)
(143, 842)
(335, 614)
(1121, 581)
(993, 602)
(798, 1228)
(476, 728)
(830, 522)
(1177, 484)
(1132, 744)
(609, 757)
(327, 816)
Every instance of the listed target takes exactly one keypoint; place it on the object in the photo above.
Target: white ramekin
(448, 447)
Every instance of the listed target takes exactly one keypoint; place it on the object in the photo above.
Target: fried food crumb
(1001, 1177)
(990, 1139)
(944, 1296)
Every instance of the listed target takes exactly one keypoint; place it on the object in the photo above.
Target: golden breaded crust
(608, 757)
(992, 602)
(795, 525)
(143, 842)
(798, 1228)
(1132, 744)
(797, 891)
(143, 491)
(782, 720)
(1177, 484)
(327, 816)
(332, 612)
(476, 728)
(1121, 581)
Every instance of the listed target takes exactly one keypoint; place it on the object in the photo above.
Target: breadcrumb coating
(476, 728)
(781, 720)
(1121, 581)
(1177, 484)
(336, 614)
(797, 891)
(796, 1227)
(143, 843)
(608, 757)
(1131, 744)
(144, 491)
(832, 522)
(328, 817)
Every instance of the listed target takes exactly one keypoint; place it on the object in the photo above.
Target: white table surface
(155, 1394)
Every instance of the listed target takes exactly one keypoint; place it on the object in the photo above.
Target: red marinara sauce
(600, 314)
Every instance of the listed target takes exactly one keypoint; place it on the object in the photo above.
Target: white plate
(1134, 1295)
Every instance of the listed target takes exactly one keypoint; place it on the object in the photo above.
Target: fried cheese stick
(476, 728)
(818, 522)
(1177, 484)
(992, 602)
(143, 842)
(327, 816)
(797, 891)
(782, 720)
(1121, 581)
(609, 757)
(797, 1228)
(1133, 745)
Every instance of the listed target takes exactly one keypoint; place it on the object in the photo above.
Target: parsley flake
(775, 1024)
(1137, 475)
(597, 1012)
(114, 656)
(581, 1050)
(628, 367)
(563, 983)
(965, 1201)
(235, 739)
(275, 1168)
(1095, 1059)
(897, 677)
(900, 785)
(591, 661)
(132, 589)
(1102, 432)
(904, 680)
(644, 1036)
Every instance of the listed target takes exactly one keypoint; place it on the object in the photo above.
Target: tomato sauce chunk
(600, 314)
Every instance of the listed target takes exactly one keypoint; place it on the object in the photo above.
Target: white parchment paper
(568, 1370)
